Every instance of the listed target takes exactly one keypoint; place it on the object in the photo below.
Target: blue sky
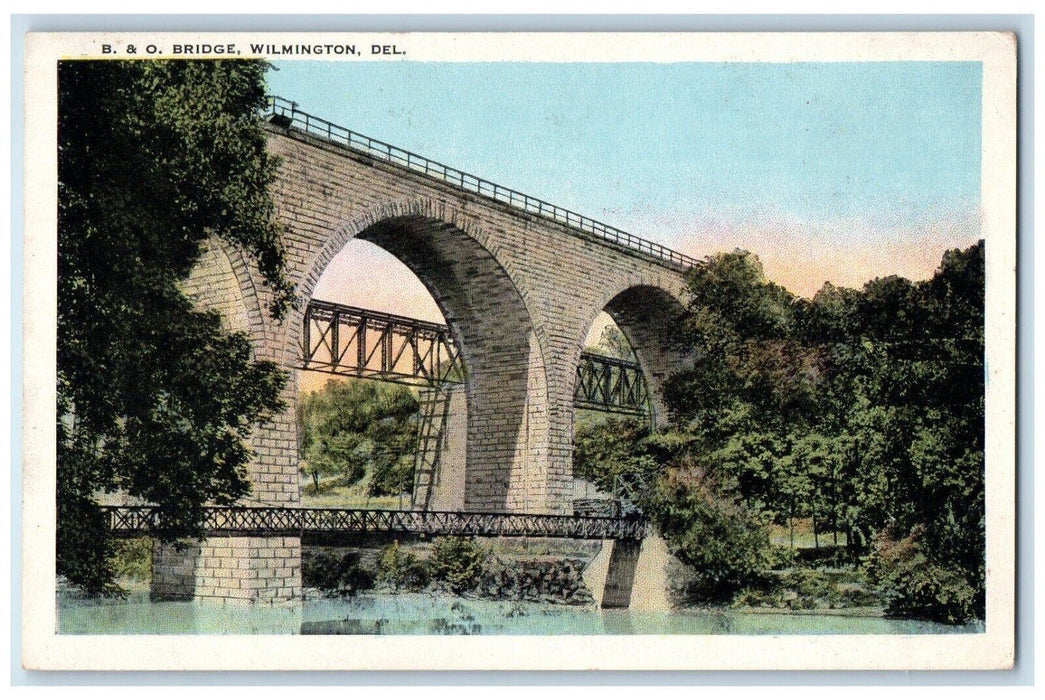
(828, 171)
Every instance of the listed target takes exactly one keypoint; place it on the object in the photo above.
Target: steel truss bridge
(610, 384)
(354, 342)
(244, 521)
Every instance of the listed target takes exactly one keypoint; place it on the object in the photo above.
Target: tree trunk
(791, 522)
(834, 507)
(816, 536)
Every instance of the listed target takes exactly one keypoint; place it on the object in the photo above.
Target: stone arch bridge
(519, 281)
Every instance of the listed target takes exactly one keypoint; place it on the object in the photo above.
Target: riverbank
(509, 569)
(543, 572)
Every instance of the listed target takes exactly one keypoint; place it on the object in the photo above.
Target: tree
(903, 398)
(612, 342)
(351, 429)
(612, 451)
(709, 529)
(859, 406)
(155, 399)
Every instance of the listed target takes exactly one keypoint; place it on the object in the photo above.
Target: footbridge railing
(285, 114)
(228, 521)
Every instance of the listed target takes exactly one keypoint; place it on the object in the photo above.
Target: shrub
(915, 587)
(780, 558)
(330, 572)
(721, 541)
(458, 562)
(401, 570)
(132, 559)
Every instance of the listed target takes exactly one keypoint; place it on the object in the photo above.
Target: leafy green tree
(155, 399)
(749, 367)
(904, 391)
(862, 409)
(351, 429)
(613, 343)
(709, 529)
(613, 454)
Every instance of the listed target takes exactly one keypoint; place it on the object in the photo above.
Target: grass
(780, 535)
(333, 493)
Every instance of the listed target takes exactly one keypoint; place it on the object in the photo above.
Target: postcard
(519, 351)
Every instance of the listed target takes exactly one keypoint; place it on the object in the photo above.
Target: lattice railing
(127, 521)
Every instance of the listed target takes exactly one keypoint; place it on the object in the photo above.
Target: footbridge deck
(242, 521)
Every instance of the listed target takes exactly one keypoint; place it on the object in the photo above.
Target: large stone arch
(507, 453)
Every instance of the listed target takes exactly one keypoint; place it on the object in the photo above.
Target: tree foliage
(613, 454)
(860, 409)
(612, 342)
(710, 529)
(155, 399)
(351, 429)
(458, 562)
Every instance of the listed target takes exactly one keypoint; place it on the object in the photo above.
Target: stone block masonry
(519, 292)
(247, 569)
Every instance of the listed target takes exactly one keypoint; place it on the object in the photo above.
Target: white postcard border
(44, 649)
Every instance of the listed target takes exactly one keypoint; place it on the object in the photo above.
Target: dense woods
(861, 410)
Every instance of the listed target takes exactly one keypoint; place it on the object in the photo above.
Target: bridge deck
(284, 114)
(131, 521)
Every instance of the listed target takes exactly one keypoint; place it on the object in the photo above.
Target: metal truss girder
(610, 384)
(354, 342)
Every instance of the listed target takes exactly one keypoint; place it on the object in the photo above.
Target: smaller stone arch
(649, 314)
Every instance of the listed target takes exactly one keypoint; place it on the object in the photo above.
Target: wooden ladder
(431, 434)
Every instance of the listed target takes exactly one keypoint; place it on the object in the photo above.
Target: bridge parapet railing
(285, 113)
(128, 521)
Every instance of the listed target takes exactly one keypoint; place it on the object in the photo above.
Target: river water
(427, 614)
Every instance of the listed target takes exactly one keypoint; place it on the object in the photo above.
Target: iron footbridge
(245, 521)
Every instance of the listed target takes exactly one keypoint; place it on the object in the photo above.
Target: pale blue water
(424, 614)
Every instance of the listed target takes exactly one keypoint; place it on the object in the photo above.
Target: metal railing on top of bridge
(284, 113)
(227, 521)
